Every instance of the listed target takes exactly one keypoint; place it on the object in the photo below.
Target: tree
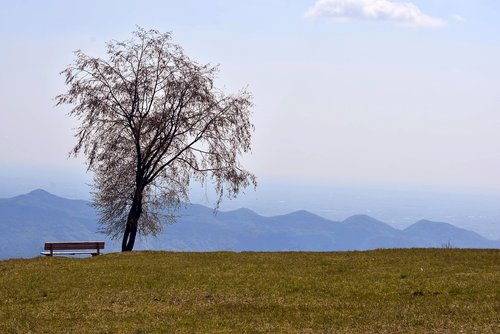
(151, 121)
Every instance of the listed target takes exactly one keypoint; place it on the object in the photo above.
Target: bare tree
(151, 121)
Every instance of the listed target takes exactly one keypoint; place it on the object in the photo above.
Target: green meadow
(382, 291)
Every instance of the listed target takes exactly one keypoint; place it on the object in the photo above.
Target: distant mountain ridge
(27, 221)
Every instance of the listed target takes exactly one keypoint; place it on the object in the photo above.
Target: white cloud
(405, 13)
(458, 18)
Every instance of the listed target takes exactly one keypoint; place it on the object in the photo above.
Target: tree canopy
(151, 121)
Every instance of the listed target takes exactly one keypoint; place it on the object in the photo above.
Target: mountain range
(27, 221)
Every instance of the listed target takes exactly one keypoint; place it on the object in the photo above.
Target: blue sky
(353, 92)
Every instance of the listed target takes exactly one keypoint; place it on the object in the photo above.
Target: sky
(361, 93)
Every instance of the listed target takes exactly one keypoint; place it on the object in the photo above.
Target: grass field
(383, 291)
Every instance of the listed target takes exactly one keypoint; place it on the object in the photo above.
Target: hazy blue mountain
(27, 221)
(434, 234)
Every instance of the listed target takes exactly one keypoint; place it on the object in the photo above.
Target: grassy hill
(391, 291)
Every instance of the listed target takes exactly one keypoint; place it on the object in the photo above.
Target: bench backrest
(74, 245)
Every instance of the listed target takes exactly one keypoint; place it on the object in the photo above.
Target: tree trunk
(132, 222)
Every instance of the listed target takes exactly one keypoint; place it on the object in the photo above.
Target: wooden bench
(73, 248)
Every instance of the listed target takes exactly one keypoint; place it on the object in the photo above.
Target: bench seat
(68, 253)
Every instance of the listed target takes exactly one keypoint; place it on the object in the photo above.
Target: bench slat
(67, 253)
(74, 245)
